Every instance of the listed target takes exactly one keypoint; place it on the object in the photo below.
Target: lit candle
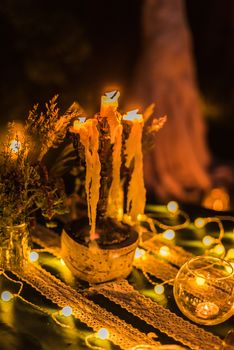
(132, 139)
(77, 124)
(133, 115)
(109, 103)
(206, 310)
(110, 121)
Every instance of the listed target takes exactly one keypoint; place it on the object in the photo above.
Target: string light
(219, 249)
(173, 207)
(15, 146)
(229, 269)
(103, 333)
(169, 234)
(208, 240)
(33, 256)
(164, 250)
(62, 262)
(140, 217)
(230, 254)
(6, 296)
(200, 281)
(139, 253)
(199, 222)
(66, 311)
(159, 289)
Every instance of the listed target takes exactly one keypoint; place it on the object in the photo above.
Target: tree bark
(177, 167)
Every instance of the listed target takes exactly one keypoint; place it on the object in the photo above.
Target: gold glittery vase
(96, 265)
(14, 246)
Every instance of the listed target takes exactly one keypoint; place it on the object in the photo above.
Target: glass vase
(204, 290)
(14, 246)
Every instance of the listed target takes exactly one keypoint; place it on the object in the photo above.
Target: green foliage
(25, 185)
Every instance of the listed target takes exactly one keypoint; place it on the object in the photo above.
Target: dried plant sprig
(49, 128)
(25, 185)
(151, 129)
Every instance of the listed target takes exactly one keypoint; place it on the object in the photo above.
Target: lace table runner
(122, 293)
(94, 316)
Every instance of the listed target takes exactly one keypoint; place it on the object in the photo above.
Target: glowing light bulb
(164, 251)
(159, 289)
(169, 234)
(6, 296)
(103, 333)
(139, 253)
(199, 222)
(230, 254)
(66, 311)
(33, 256)
(207, 240)
(172, 207)
(229, 269)
(62, 262)
(15, 146)
(200, 281)
(219, 249)
(139, 217)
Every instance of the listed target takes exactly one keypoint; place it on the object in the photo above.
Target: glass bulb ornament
(204, 290)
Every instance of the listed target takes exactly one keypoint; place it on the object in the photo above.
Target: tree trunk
(177, 167)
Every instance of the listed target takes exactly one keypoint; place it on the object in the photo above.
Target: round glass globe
(204, 290)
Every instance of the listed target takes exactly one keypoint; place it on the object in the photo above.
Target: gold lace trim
(177, 255)
(122, 293)
(94, 316)
(158, 268)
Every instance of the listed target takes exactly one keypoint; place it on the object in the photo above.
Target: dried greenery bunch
(25, 184)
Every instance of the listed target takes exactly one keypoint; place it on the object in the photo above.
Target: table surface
(23, 326)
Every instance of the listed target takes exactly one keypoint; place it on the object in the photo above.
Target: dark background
(79, 48)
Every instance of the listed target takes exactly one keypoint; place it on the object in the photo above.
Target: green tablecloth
(24, 327)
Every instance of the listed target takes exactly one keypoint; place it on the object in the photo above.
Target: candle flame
(77, 123)
(131, 115)
(82, 119)
(112, 96)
